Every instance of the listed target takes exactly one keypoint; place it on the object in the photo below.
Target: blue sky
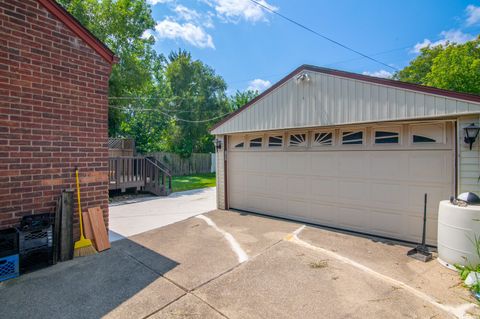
(252, 48)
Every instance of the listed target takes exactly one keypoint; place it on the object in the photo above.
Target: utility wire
(264, 76)
(170, 116)
(360, 58)
(146, 97)
(164, 109)
(321, 35)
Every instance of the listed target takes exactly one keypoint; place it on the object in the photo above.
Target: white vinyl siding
(327, 100)
(468, 160)
(220, 175)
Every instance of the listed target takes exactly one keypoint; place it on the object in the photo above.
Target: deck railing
(139, 172)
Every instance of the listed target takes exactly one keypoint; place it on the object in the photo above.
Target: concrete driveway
(226, 264)
(134, 216)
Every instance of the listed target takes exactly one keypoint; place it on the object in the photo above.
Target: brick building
(53, 109)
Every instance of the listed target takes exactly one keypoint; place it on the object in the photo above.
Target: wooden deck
(140, 172)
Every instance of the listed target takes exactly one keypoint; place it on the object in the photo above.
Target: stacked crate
(35, 237)
(9, 261)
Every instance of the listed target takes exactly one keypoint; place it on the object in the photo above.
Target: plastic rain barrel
(457, 228)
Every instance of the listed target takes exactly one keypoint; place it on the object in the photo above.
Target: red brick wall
(53, 113)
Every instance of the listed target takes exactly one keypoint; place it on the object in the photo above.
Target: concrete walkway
(226, 264)
(135, 216)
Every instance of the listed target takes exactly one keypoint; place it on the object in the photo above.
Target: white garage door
(375, 187)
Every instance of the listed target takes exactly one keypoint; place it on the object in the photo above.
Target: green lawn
(184, 183)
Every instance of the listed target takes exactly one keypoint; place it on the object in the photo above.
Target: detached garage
(348, 151)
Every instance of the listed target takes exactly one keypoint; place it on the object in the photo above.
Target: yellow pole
(79, 205)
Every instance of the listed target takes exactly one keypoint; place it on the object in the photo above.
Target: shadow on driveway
(112, 284)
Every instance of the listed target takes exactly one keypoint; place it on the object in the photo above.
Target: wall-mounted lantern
(218, 144)
(303, 77)
(471, 133)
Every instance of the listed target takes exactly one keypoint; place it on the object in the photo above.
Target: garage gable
(312, 96)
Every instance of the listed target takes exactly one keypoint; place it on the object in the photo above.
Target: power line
(374, 54)
(270, 76)
(145, 97)
(142, 107)
(321, 35)
(170, 116)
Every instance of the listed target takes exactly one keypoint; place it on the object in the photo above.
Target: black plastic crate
(34, 239)
(8, 242)
(35, 248)
(36, 221)
(35, 259)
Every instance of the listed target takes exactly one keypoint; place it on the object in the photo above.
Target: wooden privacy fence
(196, 164)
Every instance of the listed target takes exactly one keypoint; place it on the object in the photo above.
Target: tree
(198, 100)
(452, 66)
(239, 99)
(120, 24)
(419, 67)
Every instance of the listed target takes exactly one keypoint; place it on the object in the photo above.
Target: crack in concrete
(234, 245)
(185, 290)
(460, 311)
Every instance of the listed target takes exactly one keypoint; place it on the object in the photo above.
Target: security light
(471, 133)
(303, 77)
(218, 144)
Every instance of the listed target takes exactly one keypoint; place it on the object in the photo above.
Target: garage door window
(429, 133)
(387, 137)
(275, 141)
(239, 145)
(352, 137)
(256, 142)
(297, 140)
(322, 139)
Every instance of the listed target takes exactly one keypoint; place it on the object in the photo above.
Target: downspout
(225, 170)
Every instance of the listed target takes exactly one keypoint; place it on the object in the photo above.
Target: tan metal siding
(333, 100)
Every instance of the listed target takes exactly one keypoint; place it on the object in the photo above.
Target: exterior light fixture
(304, 77)
(218, 144)
(471, 133)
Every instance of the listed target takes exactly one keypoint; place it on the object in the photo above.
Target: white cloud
(258, 85)
(451, 36)
(147, 34)
(191, 15)
(188, 32)
(186, 13)
(154, 2)
(379, 74)
(473, 14)
(235, 10)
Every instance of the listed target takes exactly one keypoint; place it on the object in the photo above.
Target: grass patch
(185, 183)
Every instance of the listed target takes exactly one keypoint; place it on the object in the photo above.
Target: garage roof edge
(361, 77)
